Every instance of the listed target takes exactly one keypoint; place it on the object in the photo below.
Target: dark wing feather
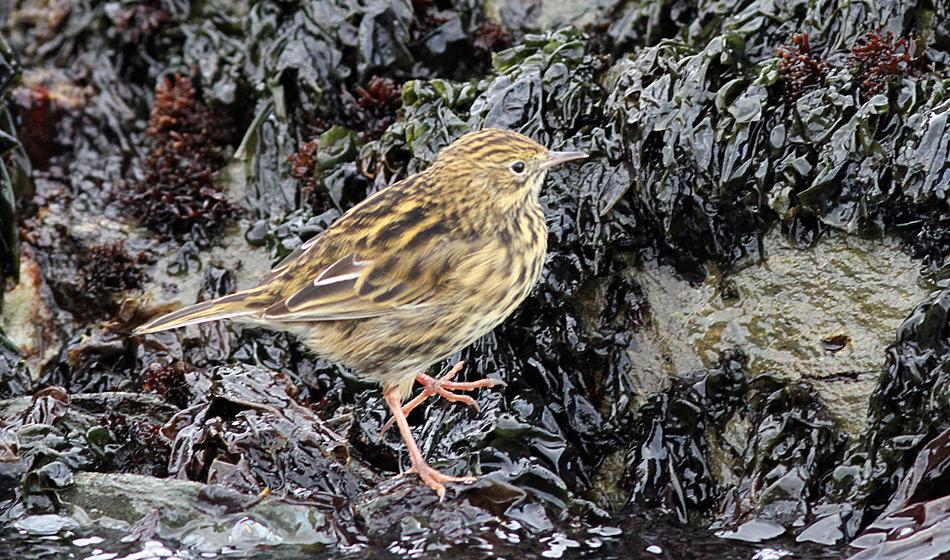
(396, 256)
(387, 285)
(331, 296)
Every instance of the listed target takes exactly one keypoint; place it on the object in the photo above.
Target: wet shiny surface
(627, 409)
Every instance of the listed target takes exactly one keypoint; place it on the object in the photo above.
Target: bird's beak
(557, 158)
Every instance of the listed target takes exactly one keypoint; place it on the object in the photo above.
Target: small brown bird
(412, 274)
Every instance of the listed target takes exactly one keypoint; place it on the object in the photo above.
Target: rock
(545, 15)
(783, 312)
(186, 511)
(27, 318)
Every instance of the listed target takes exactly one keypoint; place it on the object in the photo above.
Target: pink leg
(441, 386)
(429, 475)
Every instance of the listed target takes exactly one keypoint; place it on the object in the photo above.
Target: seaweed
(490, 37)
(138, 447)
(909, 408)
(748, 157)
(138, 24)
(109, 269)
(91, 279)
(800, 68)
(15, 378)
(875, 58)
(707, 123)
(666, 463)
(93, 360)
(791, 448)
(376, 104)
(168, 381)
(14, 169)
(246, 431)
(49, 437)
(711, 205)
(179, 195)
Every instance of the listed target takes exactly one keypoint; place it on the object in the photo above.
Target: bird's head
(506, 164)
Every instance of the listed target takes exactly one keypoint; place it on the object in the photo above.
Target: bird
(411, 275)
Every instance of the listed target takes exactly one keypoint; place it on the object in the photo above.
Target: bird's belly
(387, 349)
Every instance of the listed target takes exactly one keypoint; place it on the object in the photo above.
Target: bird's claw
(435, 479)
(443, 386)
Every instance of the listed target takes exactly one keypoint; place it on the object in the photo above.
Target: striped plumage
(412, 274)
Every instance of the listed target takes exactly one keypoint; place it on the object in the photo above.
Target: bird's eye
(518, 167)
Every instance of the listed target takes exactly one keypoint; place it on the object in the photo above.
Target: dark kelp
(14, 168)
(14, 181)
(708, 123)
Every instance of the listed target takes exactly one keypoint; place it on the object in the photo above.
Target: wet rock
(783, 312)
(205, 518)
(46, 439)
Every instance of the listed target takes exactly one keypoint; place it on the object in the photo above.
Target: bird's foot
(443, 386)
(435, 479)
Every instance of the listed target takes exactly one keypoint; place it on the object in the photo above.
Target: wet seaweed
(93, 360)
(666, 464)
(800, 68)
(139, 23)
(792, 446)
(490, 37)
(917, 513)
(246, 431)
(376, 104)
(109, 269)
(14, 169)
(875, 58)
(909, 408)
(179, 195)
(708, 124)
(138, 446)
(747, 156)
(167, 381)
(15, 378)
(303, 164)
(46, 439)
(44, 451)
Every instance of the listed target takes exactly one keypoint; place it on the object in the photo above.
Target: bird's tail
(240, 304)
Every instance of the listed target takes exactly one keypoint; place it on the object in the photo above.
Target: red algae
(179, 196)
(875, 57)
(800, 67)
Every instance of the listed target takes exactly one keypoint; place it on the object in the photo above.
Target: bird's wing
(358, 221)
(357, 289)
(390, 253)
(291, 259)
